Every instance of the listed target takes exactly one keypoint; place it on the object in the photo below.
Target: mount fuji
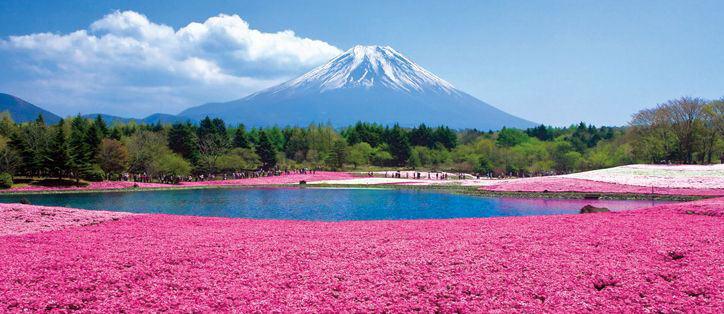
(365, 83)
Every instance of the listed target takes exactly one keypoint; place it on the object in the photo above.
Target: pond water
(319, 203)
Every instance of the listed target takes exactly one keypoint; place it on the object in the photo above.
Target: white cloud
(125, 64)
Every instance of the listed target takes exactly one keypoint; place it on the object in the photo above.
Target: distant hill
(23, 111)
(152, 119)
(366, 83)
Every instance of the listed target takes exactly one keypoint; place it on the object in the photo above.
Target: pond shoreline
(467, 190)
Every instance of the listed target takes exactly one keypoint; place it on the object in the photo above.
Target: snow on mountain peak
(368, 67)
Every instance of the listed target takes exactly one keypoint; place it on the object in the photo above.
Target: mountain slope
(23, 111)
(151, 119)
(366, 83)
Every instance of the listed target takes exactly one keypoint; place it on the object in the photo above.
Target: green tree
(7, 125)
(9, 160)
(183, 141)
(296, 144)
(211, 148)
(446, 137)
(206, 127)
(399, 145)
(239, 159)
(420, 156)
(112, 156)
(338, 155)
(116, 134)
(59, 152)
(484, 166)
(80, 150)
(31, 142)
(266, 151)
(364, 132)
(143, 148)
(422, 136)
(94, 136)
(101, 126)
(241, 139)
(360, 154)
(169, 164)
(511, 137)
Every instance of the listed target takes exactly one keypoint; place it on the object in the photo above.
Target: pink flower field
(666, 259)
(565, 184)
(105, 185)
(111, 185)
(20, 219)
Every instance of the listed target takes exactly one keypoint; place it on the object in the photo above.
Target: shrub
(6, 180)
(95, 175)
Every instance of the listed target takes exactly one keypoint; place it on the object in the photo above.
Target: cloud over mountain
(128, 65)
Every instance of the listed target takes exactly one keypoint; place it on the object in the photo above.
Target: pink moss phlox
(561, 184)
(104, 185)
(659, 259)
(706, 207)
(21, 219)
(110, 185)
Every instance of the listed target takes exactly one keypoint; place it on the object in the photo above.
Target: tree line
(684, 130)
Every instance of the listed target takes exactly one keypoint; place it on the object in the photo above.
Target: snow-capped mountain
(370, 66)
(365, 83)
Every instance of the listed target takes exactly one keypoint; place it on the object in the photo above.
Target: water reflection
(321, 204)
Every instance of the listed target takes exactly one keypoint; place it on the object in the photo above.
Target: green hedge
(95, 175)
(6, 180)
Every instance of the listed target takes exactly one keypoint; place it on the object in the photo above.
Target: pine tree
(206, 127)
(446, 137)
(265, 150)
(59, 153)
(241, 139)
(219, 129)
(101, 126)
(181, 141)
(399, 145)
(94, 136)
(80, 151)
(115, 134)
(339, 154)
(40, 120)
(31, 143)
(422, 136)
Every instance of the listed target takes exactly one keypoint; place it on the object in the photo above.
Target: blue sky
(555, 62)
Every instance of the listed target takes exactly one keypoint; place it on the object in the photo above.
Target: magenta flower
(666, 258)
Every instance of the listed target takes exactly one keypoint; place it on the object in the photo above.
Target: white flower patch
(663, 176)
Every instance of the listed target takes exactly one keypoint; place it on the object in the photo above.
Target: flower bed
(564, 184)
(706, 207)
(110, 185)
(105, 185)
(365, 180)
(283, 179)
(651, 260)
(660, 176)
(21, 219)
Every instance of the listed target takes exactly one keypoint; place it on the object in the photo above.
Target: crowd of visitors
(419, 175)
(245, 174)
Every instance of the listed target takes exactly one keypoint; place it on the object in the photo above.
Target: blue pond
(319, 203)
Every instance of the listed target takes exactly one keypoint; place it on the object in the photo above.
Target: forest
(685, 130)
